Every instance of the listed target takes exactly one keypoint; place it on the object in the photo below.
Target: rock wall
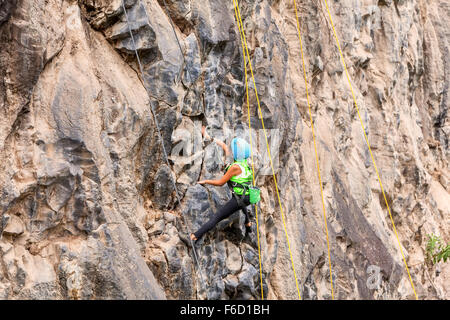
(88, 205)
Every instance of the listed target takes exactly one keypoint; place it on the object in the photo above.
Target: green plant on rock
(436, 249)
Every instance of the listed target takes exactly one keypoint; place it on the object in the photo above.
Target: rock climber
(238, 176)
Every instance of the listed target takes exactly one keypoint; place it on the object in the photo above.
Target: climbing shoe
(186, 238)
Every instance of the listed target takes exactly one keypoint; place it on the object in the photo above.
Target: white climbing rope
(157, 124)
(173, 28)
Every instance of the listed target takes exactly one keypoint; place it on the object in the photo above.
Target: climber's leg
(224, 212)
(248, 223)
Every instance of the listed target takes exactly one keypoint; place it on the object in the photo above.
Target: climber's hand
(204, 134)
(202, 182)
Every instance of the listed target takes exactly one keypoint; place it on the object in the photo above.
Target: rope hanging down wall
(244, 40)
(251, 150)
(315, 147)
(141, 69)
(368, 145)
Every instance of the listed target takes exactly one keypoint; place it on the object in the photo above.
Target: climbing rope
(368, 145)
(244, 40)
(315, 147)
(176, 36)
(158, 128)
(253, 163)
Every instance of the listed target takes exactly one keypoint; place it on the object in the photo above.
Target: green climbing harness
(242, 184)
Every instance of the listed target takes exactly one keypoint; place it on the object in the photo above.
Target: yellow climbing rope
(368, 145)
(315, 147)
(253, 163)
(244, 41)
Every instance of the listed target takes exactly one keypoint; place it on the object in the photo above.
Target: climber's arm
(220, 143)
(224, 147)
(233, 171)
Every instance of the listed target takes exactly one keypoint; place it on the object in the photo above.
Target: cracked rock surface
(88, 205)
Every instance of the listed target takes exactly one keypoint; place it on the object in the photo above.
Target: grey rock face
(163, 188)
(88, 208)
(6, 7)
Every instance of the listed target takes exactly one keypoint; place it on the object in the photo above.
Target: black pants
(224, 212)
